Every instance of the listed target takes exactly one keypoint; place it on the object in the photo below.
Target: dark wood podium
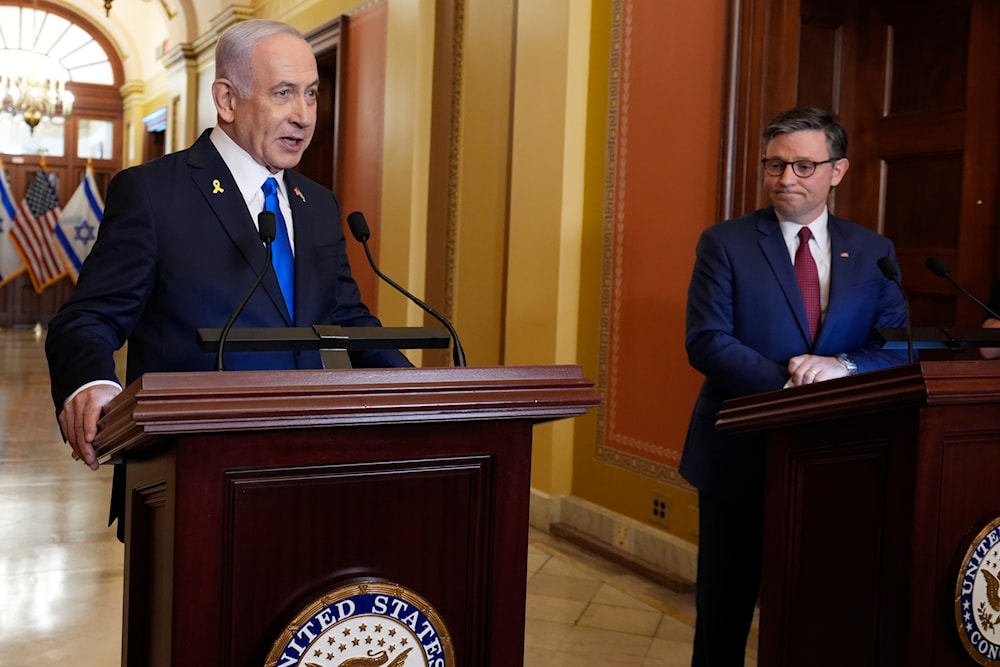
(876, 487)
(252, 493)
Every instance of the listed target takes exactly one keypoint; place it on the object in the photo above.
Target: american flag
(32, 232)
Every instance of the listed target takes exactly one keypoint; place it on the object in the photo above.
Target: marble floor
(61, 568)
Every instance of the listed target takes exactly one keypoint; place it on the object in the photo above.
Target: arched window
(46, 51)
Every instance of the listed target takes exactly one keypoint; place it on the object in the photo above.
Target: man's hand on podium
(79, 417)
(811, 368)
(991, 352)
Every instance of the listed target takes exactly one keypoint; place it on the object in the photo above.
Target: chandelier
(33, 99)
(33, 85)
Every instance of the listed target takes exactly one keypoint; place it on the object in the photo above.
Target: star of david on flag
(76, 230)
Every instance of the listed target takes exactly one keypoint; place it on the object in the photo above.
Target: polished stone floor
(61, 568)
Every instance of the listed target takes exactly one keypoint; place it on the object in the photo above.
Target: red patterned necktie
(808, 275)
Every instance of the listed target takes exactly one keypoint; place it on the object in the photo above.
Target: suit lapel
(213, 179)
(842, 253)
(304, 221)
(773, 246)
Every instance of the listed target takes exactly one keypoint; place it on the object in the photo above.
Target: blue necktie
(281, 249)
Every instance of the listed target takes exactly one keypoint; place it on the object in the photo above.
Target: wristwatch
(849, 363)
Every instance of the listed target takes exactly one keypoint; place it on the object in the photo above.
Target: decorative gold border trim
(614, 227)
(454, 161)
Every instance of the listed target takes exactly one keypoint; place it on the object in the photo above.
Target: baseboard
(648, 551)
(618, 556)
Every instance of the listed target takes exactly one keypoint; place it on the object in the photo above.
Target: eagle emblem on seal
(374, 659)
(988, 621)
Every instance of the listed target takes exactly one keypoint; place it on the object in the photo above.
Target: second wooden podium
(882, 518)
(266, 509)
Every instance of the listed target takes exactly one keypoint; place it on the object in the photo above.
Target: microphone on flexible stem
(938, 268)
(267, 227)
(888, 269)
(359, 229)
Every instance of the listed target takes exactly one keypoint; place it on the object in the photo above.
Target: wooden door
(917, 85)
(927, 113)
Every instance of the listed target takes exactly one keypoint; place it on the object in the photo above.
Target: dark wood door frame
(760, 80)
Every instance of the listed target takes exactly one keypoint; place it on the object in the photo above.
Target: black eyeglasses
(801, 168)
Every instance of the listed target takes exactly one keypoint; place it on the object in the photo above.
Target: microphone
(359, 229)
(938, 268)
(267, 226)
(888, 268)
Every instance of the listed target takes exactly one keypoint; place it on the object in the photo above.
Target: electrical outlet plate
(659, 510)
(622, 536)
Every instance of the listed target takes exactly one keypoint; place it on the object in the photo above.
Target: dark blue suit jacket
(746, 319)
(177, 250)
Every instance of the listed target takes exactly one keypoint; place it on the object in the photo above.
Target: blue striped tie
(281, 250)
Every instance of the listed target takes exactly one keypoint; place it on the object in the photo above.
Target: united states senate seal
(369, 624)
(977, 597)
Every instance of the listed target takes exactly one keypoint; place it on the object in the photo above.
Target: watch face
(852, 368)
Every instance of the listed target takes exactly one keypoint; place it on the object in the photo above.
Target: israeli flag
(11, 264)
(76, 229)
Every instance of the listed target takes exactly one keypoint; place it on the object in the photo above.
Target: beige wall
(546, 208)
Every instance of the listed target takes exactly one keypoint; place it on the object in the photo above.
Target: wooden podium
(876, 487)
(250, 494)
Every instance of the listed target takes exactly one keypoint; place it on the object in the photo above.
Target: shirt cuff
(88, 385)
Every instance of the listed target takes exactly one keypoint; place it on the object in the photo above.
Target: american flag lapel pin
(298, 193)
(845, 255)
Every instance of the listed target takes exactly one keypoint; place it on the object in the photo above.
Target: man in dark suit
(178, 247)
(749, 330)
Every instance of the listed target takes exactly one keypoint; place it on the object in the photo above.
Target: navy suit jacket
(177, 250)
(746, 319)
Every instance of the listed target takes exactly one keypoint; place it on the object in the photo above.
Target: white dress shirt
(819, 246)
(250, 176)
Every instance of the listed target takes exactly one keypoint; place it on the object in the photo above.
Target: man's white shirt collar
(819, 227)
(249, 174)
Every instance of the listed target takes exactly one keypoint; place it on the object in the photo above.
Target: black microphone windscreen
(937, 267)
(267, 226)
(940, 270)
(359, 226)
(888, 268)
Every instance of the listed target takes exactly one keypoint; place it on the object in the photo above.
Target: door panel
(915, 112)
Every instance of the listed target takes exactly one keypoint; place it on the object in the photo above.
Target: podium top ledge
(159, 404)
(964, 382)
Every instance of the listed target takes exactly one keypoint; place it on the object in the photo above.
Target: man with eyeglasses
(785, 296)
